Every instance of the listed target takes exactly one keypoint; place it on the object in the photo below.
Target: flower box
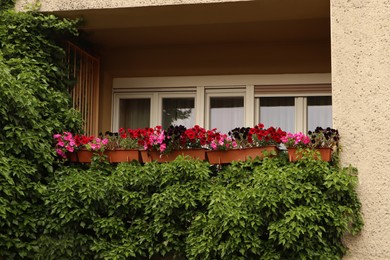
(72, 157)
(84, 156)
(122, 155)
(325, 154)
(149, 156)
(227, 156)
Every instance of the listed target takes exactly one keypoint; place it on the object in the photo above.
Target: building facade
(230, 63)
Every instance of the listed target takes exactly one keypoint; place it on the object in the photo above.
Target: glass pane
(134, 113)
(178, 111)
(319, 112)
(226, 113)
(278, 112)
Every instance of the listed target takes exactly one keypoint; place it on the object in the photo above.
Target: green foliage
(34, 104)
(269, 209)
(6, 4)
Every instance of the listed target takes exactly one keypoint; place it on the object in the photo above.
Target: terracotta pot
(72, 157)
(223, 157)
(325, 154)
(149, 156)
(125, 155)
(84, 156)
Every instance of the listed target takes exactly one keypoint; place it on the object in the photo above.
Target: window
(319, 112)
(178, 111)
(210, 101)
(226, 113)
(135, 113)
(278, 112)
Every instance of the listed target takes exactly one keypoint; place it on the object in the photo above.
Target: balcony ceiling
(229, 22)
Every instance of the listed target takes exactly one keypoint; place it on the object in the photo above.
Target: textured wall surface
(57, 5)
(361, 94)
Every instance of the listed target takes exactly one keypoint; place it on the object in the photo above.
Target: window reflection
(178, 111)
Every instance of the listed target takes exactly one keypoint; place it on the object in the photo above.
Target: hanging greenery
(34, 104)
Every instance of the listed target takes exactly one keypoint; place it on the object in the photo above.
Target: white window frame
(116, 108)
(227, 91)
(163, 95)
(204, 87)
(300, 103)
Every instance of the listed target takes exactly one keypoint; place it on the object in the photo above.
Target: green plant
(261, 209)
(324, 137)
(122, 140)
(34, 104)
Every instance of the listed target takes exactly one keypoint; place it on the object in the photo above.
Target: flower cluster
(124, 139)
(153, 139)
(179, 137)
(257, 136)
(298, 140)
(194, 137)
(97, 144)
(65, 143)
(219, 141)
(68, 143)
(324, 137)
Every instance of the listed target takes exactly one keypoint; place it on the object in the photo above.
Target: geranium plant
(219, 141)
(153, 139)
(124, 139)
(257, 136)
(297, 140)
(194, 137)
(64, 143)
(68, 143)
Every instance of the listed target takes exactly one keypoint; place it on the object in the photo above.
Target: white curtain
(319, 112)
(226, 113)
(278, 112)
(134, 113)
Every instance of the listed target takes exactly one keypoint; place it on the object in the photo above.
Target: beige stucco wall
(361, 96)
(57, 5)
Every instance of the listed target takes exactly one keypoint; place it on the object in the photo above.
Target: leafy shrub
(34, 103)
(268, 209)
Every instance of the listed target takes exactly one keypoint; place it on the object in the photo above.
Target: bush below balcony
(269, 209)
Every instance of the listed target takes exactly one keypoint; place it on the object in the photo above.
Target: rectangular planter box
(223, 157)
(149, 156)
(84, 156)
(125, 155)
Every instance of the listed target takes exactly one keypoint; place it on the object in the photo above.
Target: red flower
(190, 134)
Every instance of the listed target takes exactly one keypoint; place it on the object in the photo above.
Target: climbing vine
(34, 104)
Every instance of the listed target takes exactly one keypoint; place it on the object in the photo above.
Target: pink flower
(60, 153)
(56, 136)
(68, 136)
(69, 148)
(61, 144)
(105, 141)
(163, 147)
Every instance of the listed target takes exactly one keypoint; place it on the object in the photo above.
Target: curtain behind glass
(278, 112)
(226, 113)
(319, 112)
(134, 113)
(178, 111)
